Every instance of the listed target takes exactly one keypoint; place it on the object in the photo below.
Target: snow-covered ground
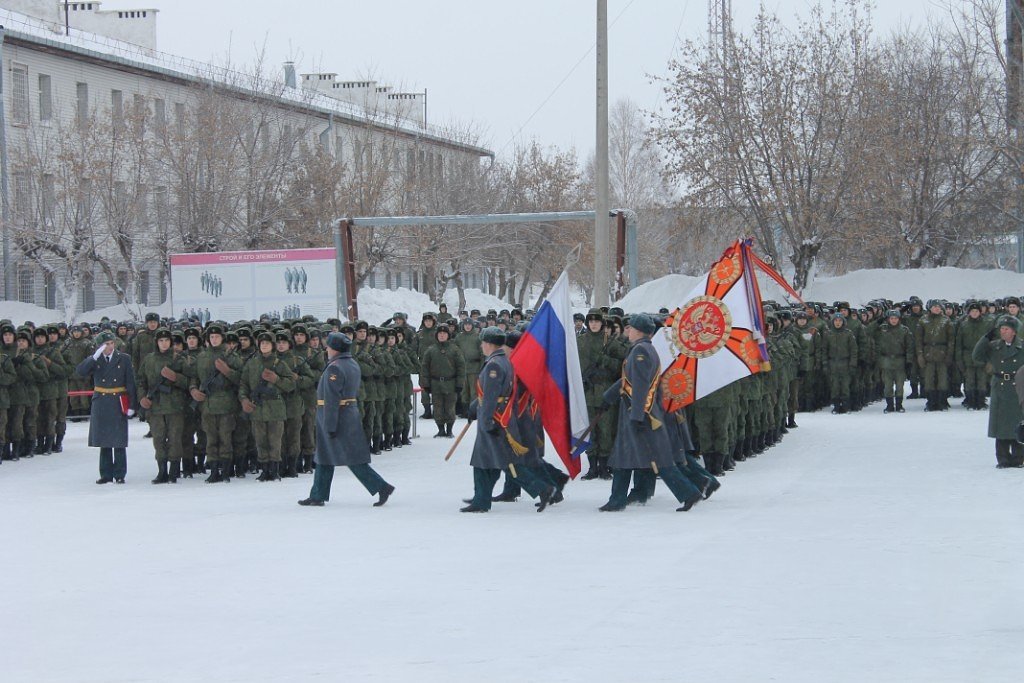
(865, 547)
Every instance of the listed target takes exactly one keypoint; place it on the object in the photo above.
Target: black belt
(441, 379)
(1006, 376)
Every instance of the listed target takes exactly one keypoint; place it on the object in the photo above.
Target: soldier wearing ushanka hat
(495, 449)
(114, 392)
(642, 441)
(340, 439)
(263, 381)
(214, 387)
(163, 393)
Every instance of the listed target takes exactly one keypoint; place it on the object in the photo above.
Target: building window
(372, 281)
(163, 286)
(45, 98)
(179, 117)
(117, 109)
(410, 166)
(19, 94)
(82, 111)
(160, 115)
(387, 280)
(49, 291)
(48, 200)
(26, 286)
(338, 147)
(22, 199)
(143, 287)
(88, 292)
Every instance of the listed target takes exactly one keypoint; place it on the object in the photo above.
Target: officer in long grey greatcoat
(496, 447)
(113, 396)
(642, 441)
(340, 439)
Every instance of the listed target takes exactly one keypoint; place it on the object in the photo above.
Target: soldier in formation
(248, 409)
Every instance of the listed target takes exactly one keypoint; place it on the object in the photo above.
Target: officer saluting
(340, 439)
(113, 380)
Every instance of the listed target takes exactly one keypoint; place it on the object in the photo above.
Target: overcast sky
(500, 65)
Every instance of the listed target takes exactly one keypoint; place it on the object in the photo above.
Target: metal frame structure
(626, 261)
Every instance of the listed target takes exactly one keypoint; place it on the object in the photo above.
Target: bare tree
(771, 133)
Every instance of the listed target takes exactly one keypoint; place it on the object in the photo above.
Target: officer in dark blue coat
(497, 447)
(642, 440)
(113, 380)
(340, 439)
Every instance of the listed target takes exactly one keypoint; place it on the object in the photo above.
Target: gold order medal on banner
(726, 271)
(749, 350)
(677, 384)
(701, 327)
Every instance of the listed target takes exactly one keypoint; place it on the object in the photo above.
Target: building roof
(20, 29)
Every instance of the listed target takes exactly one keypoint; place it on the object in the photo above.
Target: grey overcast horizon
(495, 65)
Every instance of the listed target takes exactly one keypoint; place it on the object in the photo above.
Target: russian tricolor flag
(548, 363)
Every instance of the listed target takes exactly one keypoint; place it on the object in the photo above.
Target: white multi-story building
(63, 63)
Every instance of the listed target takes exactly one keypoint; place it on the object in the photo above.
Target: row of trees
(833, 145)
(828, 144)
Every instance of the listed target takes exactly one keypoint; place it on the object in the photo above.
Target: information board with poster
(242, 285)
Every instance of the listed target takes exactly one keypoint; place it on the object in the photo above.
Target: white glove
(131, 413)
(99, 352)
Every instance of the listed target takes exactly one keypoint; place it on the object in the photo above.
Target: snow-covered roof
(33, 30)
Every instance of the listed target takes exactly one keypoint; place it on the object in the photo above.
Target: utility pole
(602, 230)
(1014, 120)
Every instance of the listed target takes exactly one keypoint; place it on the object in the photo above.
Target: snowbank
(19, 312)
(377, 305)
(954, 284)
(857, 287)
(670, 291)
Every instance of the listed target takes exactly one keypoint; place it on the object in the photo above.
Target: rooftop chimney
(289, 75)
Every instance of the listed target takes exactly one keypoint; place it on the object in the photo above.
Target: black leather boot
(215, 476)
(889, 407)
(175, 472)
(39, 445)
(405, 437)
(289, 468)
(899, 405)
(385, 442)
(792, 421)
(605, 470)
(58, 444)
(594, 469)
(26, 448)
(266, 474)
(161, 477)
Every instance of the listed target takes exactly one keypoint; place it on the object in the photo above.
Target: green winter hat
(493, 335)
(1011, 322)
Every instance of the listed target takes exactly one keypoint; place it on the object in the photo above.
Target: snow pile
(953, 284)
(857, 287)
(19, 312)
(670, 291)
(378, 305)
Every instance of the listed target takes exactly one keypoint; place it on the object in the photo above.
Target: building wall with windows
(53, 81)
